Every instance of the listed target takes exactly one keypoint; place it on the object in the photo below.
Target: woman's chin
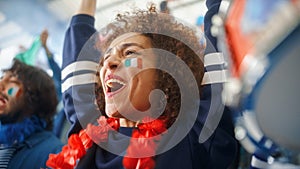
(114, 114)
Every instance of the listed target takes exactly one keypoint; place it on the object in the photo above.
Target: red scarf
(79, 143)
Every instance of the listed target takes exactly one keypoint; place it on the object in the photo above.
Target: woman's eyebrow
(108, 51)
(125, 45)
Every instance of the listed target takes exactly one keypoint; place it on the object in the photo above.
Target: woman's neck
(127, 123)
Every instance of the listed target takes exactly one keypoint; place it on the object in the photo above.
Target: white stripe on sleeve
(219, 76)
(78, 80)
(78, 66)
(213, 59)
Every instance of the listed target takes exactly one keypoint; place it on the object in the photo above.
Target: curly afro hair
(39, 91)
(167, 34)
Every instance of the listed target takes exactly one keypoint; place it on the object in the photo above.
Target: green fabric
(30, 54)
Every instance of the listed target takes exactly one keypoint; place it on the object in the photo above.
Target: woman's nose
(113, 61)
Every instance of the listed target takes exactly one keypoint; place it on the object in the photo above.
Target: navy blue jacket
(34, 151)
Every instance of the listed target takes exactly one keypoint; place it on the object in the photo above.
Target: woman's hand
(87, 7)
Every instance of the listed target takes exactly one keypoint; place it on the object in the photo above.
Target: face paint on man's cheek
(13, 91)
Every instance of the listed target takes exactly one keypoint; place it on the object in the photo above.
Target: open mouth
(113, 86)
(3, 102)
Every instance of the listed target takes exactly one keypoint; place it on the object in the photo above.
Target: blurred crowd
(148, 91)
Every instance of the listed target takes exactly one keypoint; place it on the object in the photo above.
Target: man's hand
(44, 37)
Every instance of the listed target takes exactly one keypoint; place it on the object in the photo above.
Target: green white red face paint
(13, 91)
(134, 62)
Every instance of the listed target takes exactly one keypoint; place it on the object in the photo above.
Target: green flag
(30, 54)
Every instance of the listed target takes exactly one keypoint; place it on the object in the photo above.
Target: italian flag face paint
(134, 62)
(13, 91)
